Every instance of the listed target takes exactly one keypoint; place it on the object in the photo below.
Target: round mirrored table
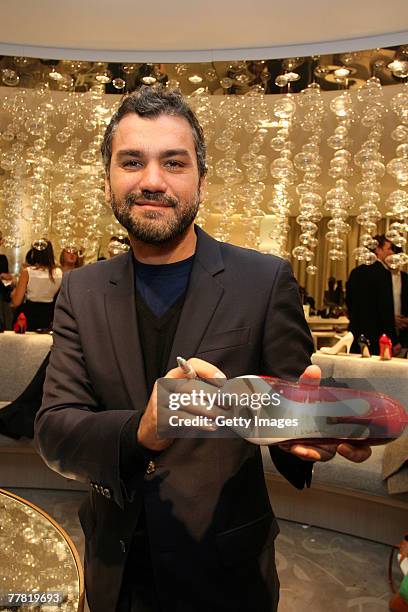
(40, 569)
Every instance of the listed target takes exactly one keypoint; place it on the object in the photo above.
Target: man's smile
(152, 204)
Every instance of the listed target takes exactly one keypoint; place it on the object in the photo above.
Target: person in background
(17, 418)
(4, 267)
(370, 299)
(339, 294)
(118, 245)
(6, 315)
(329, 299)
(38, 284)
(305, 298)
(28, 261)
(70, 259)
(399, 281)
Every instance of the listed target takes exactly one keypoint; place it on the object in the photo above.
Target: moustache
(133, 199)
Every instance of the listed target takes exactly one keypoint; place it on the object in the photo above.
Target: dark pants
(138, 592)
(6, 314)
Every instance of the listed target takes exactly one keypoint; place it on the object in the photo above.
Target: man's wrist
(132, 453)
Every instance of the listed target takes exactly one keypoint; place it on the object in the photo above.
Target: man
(376, 300)
(172, 525)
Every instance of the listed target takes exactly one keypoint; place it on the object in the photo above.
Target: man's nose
(152, 178)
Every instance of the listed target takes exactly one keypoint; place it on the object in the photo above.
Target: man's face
(384, 251)
(153, 186)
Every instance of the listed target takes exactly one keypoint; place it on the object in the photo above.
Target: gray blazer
(210, 524)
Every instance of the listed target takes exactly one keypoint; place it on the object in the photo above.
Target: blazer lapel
(120, 307)
(203, 295)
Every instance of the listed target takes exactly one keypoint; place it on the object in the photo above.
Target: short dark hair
(151, 102)
(382, 239)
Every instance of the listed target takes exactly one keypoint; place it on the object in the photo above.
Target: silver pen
(188, 369)
(190, 372)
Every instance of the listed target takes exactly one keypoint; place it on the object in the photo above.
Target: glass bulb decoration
(51, 180)
(397, 167)
(309, 161)
(338, 199)
(282, 168)
(370, 162)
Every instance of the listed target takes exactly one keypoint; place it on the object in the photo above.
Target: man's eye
(174, 164)
(131, 163)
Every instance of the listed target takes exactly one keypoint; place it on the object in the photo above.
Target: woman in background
(39, 283)
(70, 259)
(6, 315)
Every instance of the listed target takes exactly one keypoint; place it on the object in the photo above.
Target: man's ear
(107, 190)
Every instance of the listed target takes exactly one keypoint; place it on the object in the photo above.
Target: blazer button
(151, 468)
(122, 546)
(107, 493)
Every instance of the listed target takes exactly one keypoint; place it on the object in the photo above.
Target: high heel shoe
(344, 342)
(311, 414)
(385, 348)
(364, 345)
(20, 326)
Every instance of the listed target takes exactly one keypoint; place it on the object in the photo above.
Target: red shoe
(20, 326)
(385, 348)
(334, 414)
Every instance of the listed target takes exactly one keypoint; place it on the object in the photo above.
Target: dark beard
(149, 229)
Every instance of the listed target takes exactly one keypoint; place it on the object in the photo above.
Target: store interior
(307, 155)
(290, 145)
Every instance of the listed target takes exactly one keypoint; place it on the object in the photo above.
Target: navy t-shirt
(161, 285)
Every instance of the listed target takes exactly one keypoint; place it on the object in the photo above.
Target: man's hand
(147, 431)
(324, 452)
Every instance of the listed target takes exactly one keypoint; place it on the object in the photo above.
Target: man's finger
(313, 453)
(311, 376)
(353, 452)
(202, 368)
(205, 369)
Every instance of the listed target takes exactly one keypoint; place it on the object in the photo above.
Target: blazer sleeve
(76, 436)
(287, 348)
